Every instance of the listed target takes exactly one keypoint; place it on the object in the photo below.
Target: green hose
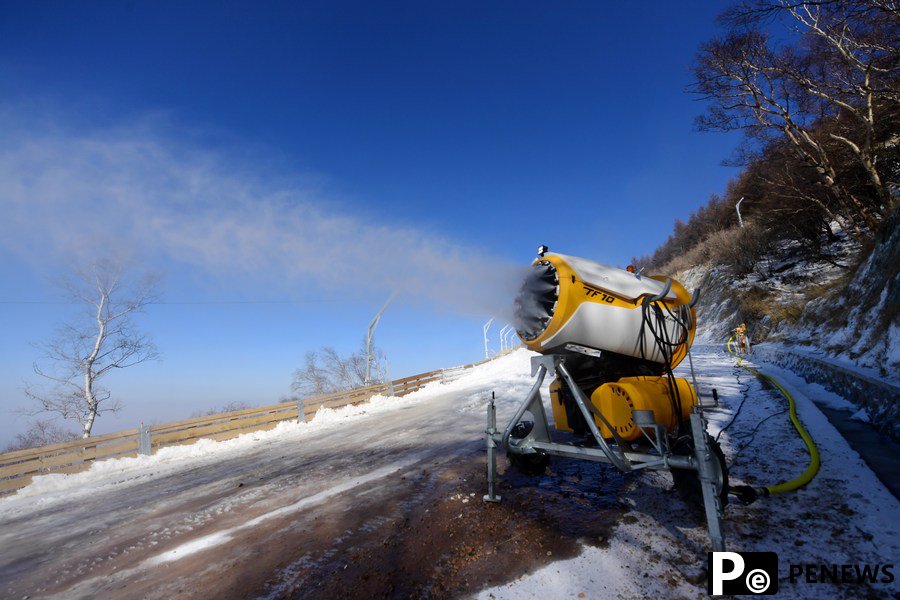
(813, 468)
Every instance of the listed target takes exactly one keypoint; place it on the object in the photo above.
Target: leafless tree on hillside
(325, 371)
(226, 408)
(823, 93)
(104, 340)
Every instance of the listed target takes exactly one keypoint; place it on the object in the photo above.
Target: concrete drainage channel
(879, 453)
(878, 447)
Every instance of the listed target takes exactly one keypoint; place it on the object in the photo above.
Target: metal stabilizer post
(532, 403)
(615, 456)
(491, 496)
(708, 472)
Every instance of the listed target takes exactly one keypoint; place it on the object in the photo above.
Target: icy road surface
(383, 500)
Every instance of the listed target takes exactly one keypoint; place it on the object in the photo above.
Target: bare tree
(41, 432)
(326, 371)
(824, 93)
(858, 69)
(227, 408)
(105, 340)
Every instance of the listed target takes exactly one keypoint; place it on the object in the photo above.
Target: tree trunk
(89, 368)
(89, 422)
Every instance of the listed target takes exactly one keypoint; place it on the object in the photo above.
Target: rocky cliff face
(717, 311)
(862, 321)
(846, 305)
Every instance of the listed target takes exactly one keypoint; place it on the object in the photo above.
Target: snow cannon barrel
(571, 304)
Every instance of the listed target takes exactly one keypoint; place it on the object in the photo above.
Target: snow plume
(76, 195)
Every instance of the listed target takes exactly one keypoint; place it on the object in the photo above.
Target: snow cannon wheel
(687, 481)
(529, 464)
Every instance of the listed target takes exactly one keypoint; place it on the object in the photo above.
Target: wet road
(390, 503)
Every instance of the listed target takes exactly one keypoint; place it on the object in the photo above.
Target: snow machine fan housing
(568, 303)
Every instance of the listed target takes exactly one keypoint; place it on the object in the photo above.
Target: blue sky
(327, 154)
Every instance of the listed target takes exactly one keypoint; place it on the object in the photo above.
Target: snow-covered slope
(846, 305)
(862, 322)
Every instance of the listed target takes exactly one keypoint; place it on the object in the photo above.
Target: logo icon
(736, 573)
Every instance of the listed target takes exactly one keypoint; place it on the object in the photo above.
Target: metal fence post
(301, 415)
(737, 207)
(144, 440)
(486, 327)
(390, 381)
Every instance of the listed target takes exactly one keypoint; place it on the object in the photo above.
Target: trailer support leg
(491, 496)
(707, 470)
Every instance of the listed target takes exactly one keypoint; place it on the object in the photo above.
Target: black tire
(529, 464)
(687, 481)
(522, 429)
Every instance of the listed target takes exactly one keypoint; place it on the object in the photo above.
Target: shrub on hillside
(740, 247)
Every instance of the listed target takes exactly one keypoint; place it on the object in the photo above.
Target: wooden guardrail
(19, 467)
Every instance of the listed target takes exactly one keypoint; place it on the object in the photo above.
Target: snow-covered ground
(286, 513)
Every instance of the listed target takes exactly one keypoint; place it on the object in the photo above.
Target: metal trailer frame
(661, 458)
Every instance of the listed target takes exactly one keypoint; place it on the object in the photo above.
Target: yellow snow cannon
(611, 322)
(611, 338)
(618, 400)
(573, 303)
